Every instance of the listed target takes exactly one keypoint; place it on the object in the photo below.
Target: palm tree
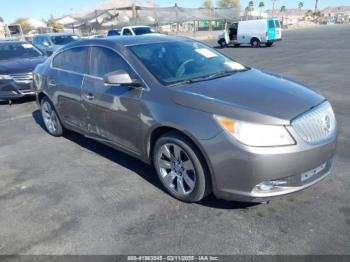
(251, 7)
(316, 6)
(261, 6)
(273, 6)
(283, 10)
(300, 6)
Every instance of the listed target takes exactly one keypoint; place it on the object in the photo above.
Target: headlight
(256, 134)
(5, 77)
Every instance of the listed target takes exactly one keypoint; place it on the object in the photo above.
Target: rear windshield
(278, 25)
(271, 24)
(10, 51)
(114, 32)
(63, 39)
(143, 30)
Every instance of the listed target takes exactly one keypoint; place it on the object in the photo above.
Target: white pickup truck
(131, 30)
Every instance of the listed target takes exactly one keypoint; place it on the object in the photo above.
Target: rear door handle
(89, 96)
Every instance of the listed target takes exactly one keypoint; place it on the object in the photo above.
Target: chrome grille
(316, 125)
(23, 77)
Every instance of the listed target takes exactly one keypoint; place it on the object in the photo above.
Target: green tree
(208, 4)
(261, 7)
(250, 7)
(24, 24)
(52, 22)
(228, 3)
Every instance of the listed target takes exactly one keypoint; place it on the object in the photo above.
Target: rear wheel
(52, 122)
(255, 42)
(180, 168)
(222, 43)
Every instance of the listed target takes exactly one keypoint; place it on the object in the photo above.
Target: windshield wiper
(206, 78)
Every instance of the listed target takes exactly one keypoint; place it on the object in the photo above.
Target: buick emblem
(327, 123)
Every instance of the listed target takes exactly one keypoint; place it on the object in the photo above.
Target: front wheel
(52, 122)
(180, 168)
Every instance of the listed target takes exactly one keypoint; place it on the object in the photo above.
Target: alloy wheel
(49, 117)
(177, 169)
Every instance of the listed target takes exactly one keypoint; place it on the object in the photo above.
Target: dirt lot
(72, 195)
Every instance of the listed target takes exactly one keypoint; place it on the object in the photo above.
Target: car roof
(54, 34)
(13, 42)
(129, 40)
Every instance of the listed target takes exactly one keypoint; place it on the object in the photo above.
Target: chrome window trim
(147, 88)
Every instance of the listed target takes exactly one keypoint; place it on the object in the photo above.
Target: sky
(12, 9)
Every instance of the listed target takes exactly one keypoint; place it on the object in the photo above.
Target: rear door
(113, 111)
(65, 80)
(278, 29)
(271, 29)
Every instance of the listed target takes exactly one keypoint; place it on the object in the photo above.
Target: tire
(50, 118)
(255, 42)
(181, 168)
(269, 44)
(222, 43)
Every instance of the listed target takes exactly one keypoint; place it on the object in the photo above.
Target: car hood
(20, 65)
(250, 95)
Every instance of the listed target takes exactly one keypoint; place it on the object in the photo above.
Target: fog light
(267, 186)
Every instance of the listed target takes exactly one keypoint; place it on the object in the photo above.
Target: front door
(113, 111)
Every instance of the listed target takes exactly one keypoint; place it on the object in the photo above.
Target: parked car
(206, 122)
(252, 32)
(49, 43)
(132, 30)
(17, 61)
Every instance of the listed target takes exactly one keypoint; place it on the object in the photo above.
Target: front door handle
(89, 96)
(52, 83)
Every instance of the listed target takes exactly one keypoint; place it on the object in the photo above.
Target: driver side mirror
(120, 78)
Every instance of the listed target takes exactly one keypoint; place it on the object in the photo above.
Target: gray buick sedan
(206, 123)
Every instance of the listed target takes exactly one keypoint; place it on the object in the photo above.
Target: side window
(75, 60)
(38, 40)
(104, 61)
(127, 31)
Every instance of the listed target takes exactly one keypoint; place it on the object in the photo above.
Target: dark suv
(206, 122)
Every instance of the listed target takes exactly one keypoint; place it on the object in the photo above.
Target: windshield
(177, 62)
(18, 50)
(63, 39)
(143, 30)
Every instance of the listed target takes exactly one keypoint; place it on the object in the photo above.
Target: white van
(252, 32)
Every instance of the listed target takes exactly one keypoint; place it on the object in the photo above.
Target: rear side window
(278, 25)
(127, 32)
(75, 60)
(113, 32)
(271, 24)
(104, 61)
(142, 30)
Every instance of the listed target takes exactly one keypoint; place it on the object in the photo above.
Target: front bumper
(10, 89)
(238, 169)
